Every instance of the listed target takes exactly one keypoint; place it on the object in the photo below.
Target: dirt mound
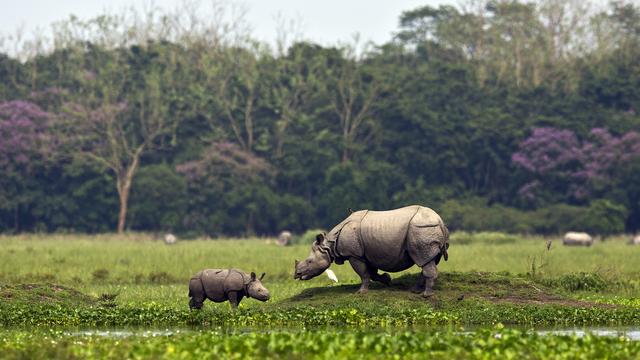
(44, 294)
(451, 289)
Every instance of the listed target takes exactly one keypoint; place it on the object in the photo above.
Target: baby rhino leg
(234, 298)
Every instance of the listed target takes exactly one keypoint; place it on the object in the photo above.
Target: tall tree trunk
(248, 120)
(122, 216)
(345, 153)
(249, 230)
(16, 214)
(124, 181)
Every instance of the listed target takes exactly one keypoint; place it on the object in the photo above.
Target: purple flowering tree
(224, 166)
(605, 153)
(557, 161)
(25, 144)
(225, 160)
(550, 157)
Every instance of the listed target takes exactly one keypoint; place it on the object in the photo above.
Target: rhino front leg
(360, 267)
(383, 278)
(419, 286)
(196, 294)
(195, 303)
(234, 298)
(430, 274)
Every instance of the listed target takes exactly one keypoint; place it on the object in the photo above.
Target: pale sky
(325, 21)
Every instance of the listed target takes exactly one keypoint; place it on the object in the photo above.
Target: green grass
(107, 280)
(72, 258)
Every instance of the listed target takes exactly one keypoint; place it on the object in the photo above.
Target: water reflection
(631, 333)
(128, 333)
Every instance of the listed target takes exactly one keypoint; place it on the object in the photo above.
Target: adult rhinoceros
(391, 240)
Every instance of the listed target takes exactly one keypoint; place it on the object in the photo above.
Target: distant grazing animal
(220, 285)
(331, 275)
(391, 240)
(170, 239)
(284, 238)
(577, 239)
(635, 240)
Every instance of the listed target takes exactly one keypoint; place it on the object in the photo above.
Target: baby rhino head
(256, 290)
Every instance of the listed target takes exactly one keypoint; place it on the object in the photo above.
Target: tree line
(502, 115)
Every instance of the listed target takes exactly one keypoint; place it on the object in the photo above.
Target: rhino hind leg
(360, 267)
(430, 274)
(428, 256)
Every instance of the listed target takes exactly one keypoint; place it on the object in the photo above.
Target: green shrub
(557, 219)
(602, 217)
(463, 237)
(158, 198)
(605, 217)
(582, 282)
(308, 237)
(476, 216)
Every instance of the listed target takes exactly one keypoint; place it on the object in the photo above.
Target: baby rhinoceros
(220, 285)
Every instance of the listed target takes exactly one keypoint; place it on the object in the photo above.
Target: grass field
(92, 282)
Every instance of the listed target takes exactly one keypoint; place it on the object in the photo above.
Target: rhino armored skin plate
(392, 240)
(219, 285)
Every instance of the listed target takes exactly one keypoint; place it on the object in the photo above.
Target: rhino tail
(445, 243)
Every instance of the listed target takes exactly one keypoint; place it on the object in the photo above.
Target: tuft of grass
(108, 299)
(161, 277)
(100, 274)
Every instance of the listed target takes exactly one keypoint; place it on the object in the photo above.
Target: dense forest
(501, 115)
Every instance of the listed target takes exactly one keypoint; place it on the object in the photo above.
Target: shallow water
(128, 333)
(631, 333)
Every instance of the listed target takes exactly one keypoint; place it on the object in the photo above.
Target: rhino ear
(297, 262)
(319, 238)
(262, 276)
(253, 275)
